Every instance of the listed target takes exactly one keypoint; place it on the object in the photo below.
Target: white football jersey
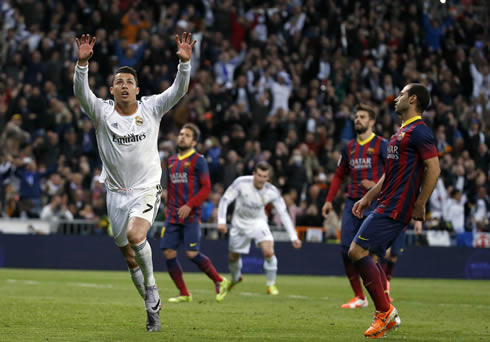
(128, 143)
(249, 212)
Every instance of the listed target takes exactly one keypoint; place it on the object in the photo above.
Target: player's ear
(137, 90)
(194, 143)
(111, 90)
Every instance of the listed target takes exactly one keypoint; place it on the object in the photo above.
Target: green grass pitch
(61, 305)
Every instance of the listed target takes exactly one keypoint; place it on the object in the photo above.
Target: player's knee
(191, 254)
(233, 257)
(169, 253)
(268, 254)
(356, 252)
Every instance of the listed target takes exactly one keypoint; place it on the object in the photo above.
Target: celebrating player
(127, 133)
(363, 159)
(252, 194)
(188, 185)
(412, 156)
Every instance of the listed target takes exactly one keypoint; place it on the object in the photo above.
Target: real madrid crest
(139, 120)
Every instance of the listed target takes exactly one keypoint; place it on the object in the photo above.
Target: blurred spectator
(56, 210)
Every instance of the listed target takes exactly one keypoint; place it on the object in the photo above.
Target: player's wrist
(82, 62)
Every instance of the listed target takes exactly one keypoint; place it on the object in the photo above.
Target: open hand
(185, 46)
(85, 48)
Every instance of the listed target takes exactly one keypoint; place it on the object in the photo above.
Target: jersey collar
(409, 121)
(365, 141)
(187, 155)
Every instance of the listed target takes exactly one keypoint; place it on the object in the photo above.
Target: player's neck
(364, 136)
(185, 152)
(127, 108)
(409, 115)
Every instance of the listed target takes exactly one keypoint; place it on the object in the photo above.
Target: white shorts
(122, 205)
(239, 241)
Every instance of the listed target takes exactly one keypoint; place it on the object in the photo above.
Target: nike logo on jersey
(148, 209)
(361, 238)
(193, 244)
(155, 308)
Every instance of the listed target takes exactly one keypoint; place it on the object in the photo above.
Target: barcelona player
(411, 173)
(188, 185)
(363, 159)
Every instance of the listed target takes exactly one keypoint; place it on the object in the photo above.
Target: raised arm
(169, 98)
(81, 87)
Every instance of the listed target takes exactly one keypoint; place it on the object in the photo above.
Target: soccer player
(363, 159)
(127, 133)
(188, 185)
(412, 158)
(252, 195)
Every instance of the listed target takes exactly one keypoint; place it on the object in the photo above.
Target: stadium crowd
(271, 80)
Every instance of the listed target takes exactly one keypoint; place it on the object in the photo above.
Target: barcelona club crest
(370, 150)
(400, 136)
(139, 120)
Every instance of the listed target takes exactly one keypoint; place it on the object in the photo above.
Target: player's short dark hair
(264, 166)
(126, 70)
(196, 133)
(366, 108)
(423, 96)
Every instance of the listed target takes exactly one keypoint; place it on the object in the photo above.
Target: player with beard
(363, 160)
(188, 185)
(401, 195)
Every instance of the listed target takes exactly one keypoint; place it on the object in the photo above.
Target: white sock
(270, 267)
(138, 280)
(142, 255)
(235, 270)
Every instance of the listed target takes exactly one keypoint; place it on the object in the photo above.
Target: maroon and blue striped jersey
(408, 148)
(188, 183)
(360, 160)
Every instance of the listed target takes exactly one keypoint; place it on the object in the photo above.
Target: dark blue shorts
(378, 232)
(351, 224)
(398, 245)
(187, 233)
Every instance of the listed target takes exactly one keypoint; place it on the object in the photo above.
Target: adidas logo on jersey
(128, 138)
(115, 125)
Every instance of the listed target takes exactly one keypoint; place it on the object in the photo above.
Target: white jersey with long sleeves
(128, 143)
(249, 212)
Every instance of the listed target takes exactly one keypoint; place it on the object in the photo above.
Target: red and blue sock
(354, 277)
(207, 267)
(372, 281)
(175, 271)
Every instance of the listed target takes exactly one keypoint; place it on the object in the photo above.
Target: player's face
(402, 101)
(362, 122)
(185, 140)
(124, 88)
(260, 177)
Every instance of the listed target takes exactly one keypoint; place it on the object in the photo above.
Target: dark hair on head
(366, 108)
(196, 133)
(126, 70)
(423, 96)
(263, 165)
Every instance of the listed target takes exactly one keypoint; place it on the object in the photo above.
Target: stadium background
(271, 80)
